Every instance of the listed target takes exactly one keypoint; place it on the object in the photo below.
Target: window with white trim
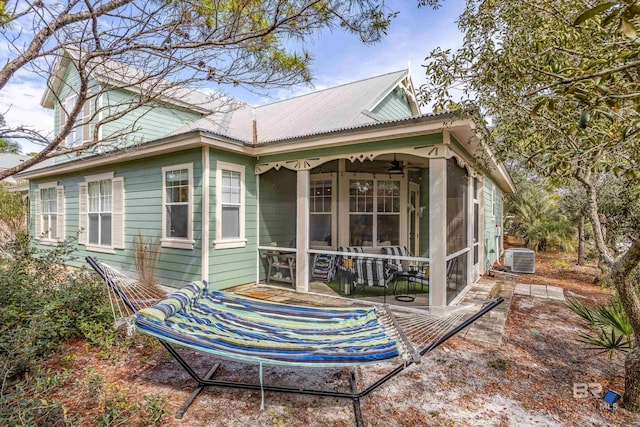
(374, 212)
(49, 212)
(82, 130)
(101, 212)
(177, 202)
(321, 210)
(230, 206)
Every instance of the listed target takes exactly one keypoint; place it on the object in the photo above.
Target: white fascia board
(384, 94)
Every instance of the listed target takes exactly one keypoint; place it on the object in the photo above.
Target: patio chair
(399, 265)
(422, 278)
(373, 272)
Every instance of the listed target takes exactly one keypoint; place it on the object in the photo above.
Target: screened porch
(391, 215)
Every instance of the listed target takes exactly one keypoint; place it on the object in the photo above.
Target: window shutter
(38, 228)
(118, 213)
(86, 120)
(82, 213)
(60, 213)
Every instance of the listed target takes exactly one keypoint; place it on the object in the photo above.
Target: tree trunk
(632, 379)
(581, 240)
(623, 279)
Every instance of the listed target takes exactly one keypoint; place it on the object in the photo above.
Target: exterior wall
(143, 124)
(492, 218)
(394, 106)
(143, 214)
(234, 266)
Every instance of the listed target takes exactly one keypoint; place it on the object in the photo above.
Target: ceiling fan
(394, 167)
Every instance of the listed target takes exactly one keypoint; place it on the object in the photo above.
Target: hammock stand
(354, 394)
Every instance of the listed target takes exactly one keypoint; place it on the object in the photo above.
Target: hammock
(252, 330)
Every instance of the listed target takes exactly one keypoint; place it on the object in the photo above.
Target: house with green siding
(224, 188)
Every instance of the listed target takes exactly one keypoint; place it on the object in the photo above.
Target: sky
(338, 58)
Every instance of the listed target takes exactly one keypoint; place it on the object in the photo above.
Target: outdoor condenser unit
(520, 260)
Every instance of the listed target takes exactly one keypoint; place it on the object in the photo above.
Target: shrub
(42, 304)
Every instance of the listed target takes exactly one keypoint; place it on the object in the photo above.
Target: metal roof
(341, 107)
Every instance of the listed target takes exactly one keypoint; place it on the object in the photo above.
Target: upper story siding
(145, 123)
(394, 106)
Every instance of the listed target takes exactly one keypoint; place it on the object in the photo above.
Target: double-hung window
(82, 128)
(48, 198)
(230, 206)
(322, 224)
(177, 201)
(374, 212)
(101, 212)
(49, 216)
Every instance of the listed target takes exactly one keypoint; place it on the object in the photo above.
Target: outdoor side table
(402, 283)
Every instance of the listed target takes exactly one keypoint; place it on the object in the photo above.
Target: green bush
(42, 304)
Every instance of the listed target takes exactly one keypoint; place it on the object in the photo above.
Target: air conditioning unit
(519, 260)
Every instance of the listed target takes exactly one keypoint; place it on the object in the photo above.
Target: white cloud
(20, 105)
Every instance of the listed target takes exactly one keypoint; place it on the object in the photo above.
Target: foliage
(610, 328)
(42, 304)
(9, 146)
(560, 84)
(13, 212)
(162, 47)
(537, 216)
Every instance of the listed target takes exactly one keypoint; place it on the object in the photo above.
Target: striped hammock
(232, 326)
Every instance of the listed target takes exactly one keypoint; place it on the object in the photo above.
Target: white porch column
(437, 234)
(471, 276)
(302, 232)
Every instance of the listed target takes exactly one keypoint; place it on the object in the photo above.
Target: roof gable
(122, 76)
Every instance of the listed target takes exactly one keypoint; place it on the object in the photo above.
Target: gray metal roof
(8, 160)
(339, 107)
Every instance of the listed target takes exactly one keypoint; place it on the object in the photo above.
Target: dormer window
(82, 130)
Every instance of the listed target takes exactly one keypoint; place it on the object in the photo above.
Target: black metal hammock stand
(230, 326)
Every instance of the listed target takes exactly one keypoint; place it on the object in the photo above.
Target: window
(100, 201)
(48, 198)
(230, 206)
(101, 212)
(374, 212)
(321, 206)
(82, 130)
(49, 212)
(177, 201)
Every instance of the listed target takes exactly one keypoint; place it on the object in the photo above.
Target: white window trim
(45, 240)
(92, 246)
(176, 242)
(344, 218)
(334, 210)
(219, 242)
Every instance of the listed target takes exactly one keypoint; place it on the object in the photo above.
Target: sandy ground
(528, 381)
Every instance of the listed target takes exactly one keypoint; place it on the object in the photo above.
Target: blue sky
(338, 58)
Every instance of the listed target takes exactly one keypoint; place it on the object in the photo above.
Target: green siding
(143, 124)
(394, 106)
(492, 243)
(143, 214)
(146, 123)
(235, 266)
